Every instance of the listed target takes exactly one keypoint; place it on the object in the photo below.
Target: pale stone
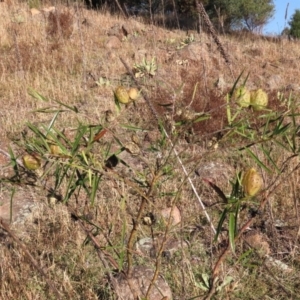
(172, 212)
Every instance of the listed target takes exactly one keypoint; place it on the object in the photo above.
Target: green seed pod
(122, 95)
(55, 149)
(242, 96)
(31, 162)
(252, 182)
(133, 93)
(259, 99)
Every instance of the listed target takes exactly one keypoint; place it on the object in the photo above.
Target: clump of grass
(60, 24)
(34, 4)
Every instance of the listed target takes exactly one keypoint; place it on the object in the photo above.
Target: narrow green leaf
(232, 230)
(35, 130)
(236, 189)
(205, 278)
(258, 161)
(118, 141)
(62, 136)
(80, 133)
(70, 187)
(291, 143)
(131, 127)
(33, 93)
(13, 161)
(73, 108)
(280, 130)
(84, 157)
(245, 81)
(53, 121)
(201, 118)
(245, 255)
(228, 110)
(217, 190)
(117, 104)
(281, 144)
(235, 84)
(201, 286)
(267, 154)
(266, 127)
(90, 177)
(48, 110)
(220, 224)
(95, 185)
(227, 280)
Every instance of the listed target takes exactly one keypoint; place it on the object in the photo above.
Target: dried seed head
(133, 94)
(252, 182)
(259, 99)
(31, 162)
(122, 95)
(55, 149)
(242, 96)
(132, 148)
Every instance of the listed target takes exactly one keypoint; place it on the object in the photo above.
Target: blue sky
(278, 22)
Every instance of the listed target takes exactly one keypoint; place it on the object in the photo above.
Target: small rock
(278, 264)
(144, 246)
(274, 82)
(174, 213)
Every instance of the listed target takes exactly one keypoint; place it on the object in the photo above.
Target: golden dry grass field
(128, 197)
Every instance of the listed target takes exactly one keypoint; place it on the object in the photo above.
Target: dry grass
(62, 55)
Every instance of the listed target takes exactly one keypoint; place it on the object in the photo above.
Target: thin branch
(155, 114)
(120, 8)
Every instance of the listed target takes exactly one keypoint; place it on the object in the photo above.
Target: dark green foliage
(285, 31)
(295, 24)
(230, 14)
(250, 14)
(256, 13)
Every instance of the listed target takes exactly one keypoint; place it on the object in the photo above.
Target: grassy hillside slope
(122, 188)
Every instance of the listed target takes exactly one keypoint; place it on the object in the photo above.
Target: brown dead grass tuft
(60, 23)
